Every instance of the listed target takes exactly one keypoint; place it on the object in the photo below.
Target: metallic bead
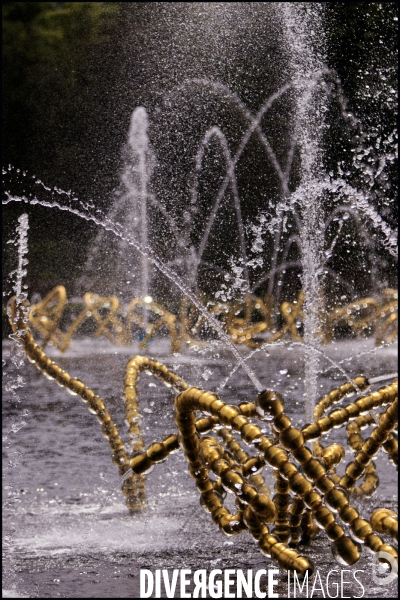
(239, 422)
(371, 447)
(191, 456)
(253, 523)
(219, 467)
(324, 516)
(95, 404)
(338, 417)
(269, 404)
(291, 439)
(373, 542)
(347, 482)
(78, 386)
(299, 484)
(216, 406)
(352, 410)
(334, 531)
(157, 452)
(336, 500)
(227, 526)
(365, 404)
(197, 471)
(313, 469)
(355, 441)
(227, 413)
(346, 551)
(281, 485)
(302, 454)
(385, 521)
(282, 422)
(311, 432)
(263, 508)
(324, 484)
(332, 455)
(362, 383)
(190, 445)
(253, 465)
(360, 529)
(117, 446)
(218, 514)
(281, 501)
(312, 500)
(251, 433)
(232, 481)
(141, 464)
(354, 470)
(206, 424)
(248, 409)
(287, 470)
(264, 546)
(379, 436)
(309, 529)
(248, 493)
(205, 486)
(109, 429)
(275, 457)
(324, 424)
(304, 566)
(211, 501)
(390, 550)
(276, 550)
(171, 443)
(208, 455)
(363, 458)
(263, 445)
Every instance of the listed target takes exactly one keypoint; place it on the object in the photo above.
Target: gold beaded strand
(307, 497)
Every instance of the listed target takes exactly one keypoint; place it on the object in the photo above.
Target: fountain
(249, 296)
(127, 272)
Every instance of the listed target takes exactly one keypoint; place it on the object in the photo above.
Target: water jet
(282, 298)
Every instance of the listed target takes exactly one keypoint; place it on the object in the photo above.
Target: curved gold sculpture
(243, 321)
(309, 494)
(366, 313)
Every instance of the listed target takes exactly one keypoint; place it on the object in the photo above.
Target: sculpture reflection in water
(309, 494)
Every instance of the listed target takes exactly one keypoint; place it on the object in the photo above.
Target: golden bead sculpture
(243, 321)
(270, 405)
(368, 450)
(385, 521)
(214, 436)
(259, 510)
(282, 502)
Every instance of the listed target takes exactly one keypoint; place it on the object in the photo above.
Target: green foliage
(53, 54)
(52, 38)
(47, 47)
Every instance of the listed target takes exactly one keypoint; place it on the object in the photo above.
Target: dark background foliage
(74, 71)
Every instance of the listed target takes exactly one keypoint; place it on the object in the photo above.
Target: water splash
(300, 26)
(14, 383)
(115, 268)
(22, 247)
(108, 225)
